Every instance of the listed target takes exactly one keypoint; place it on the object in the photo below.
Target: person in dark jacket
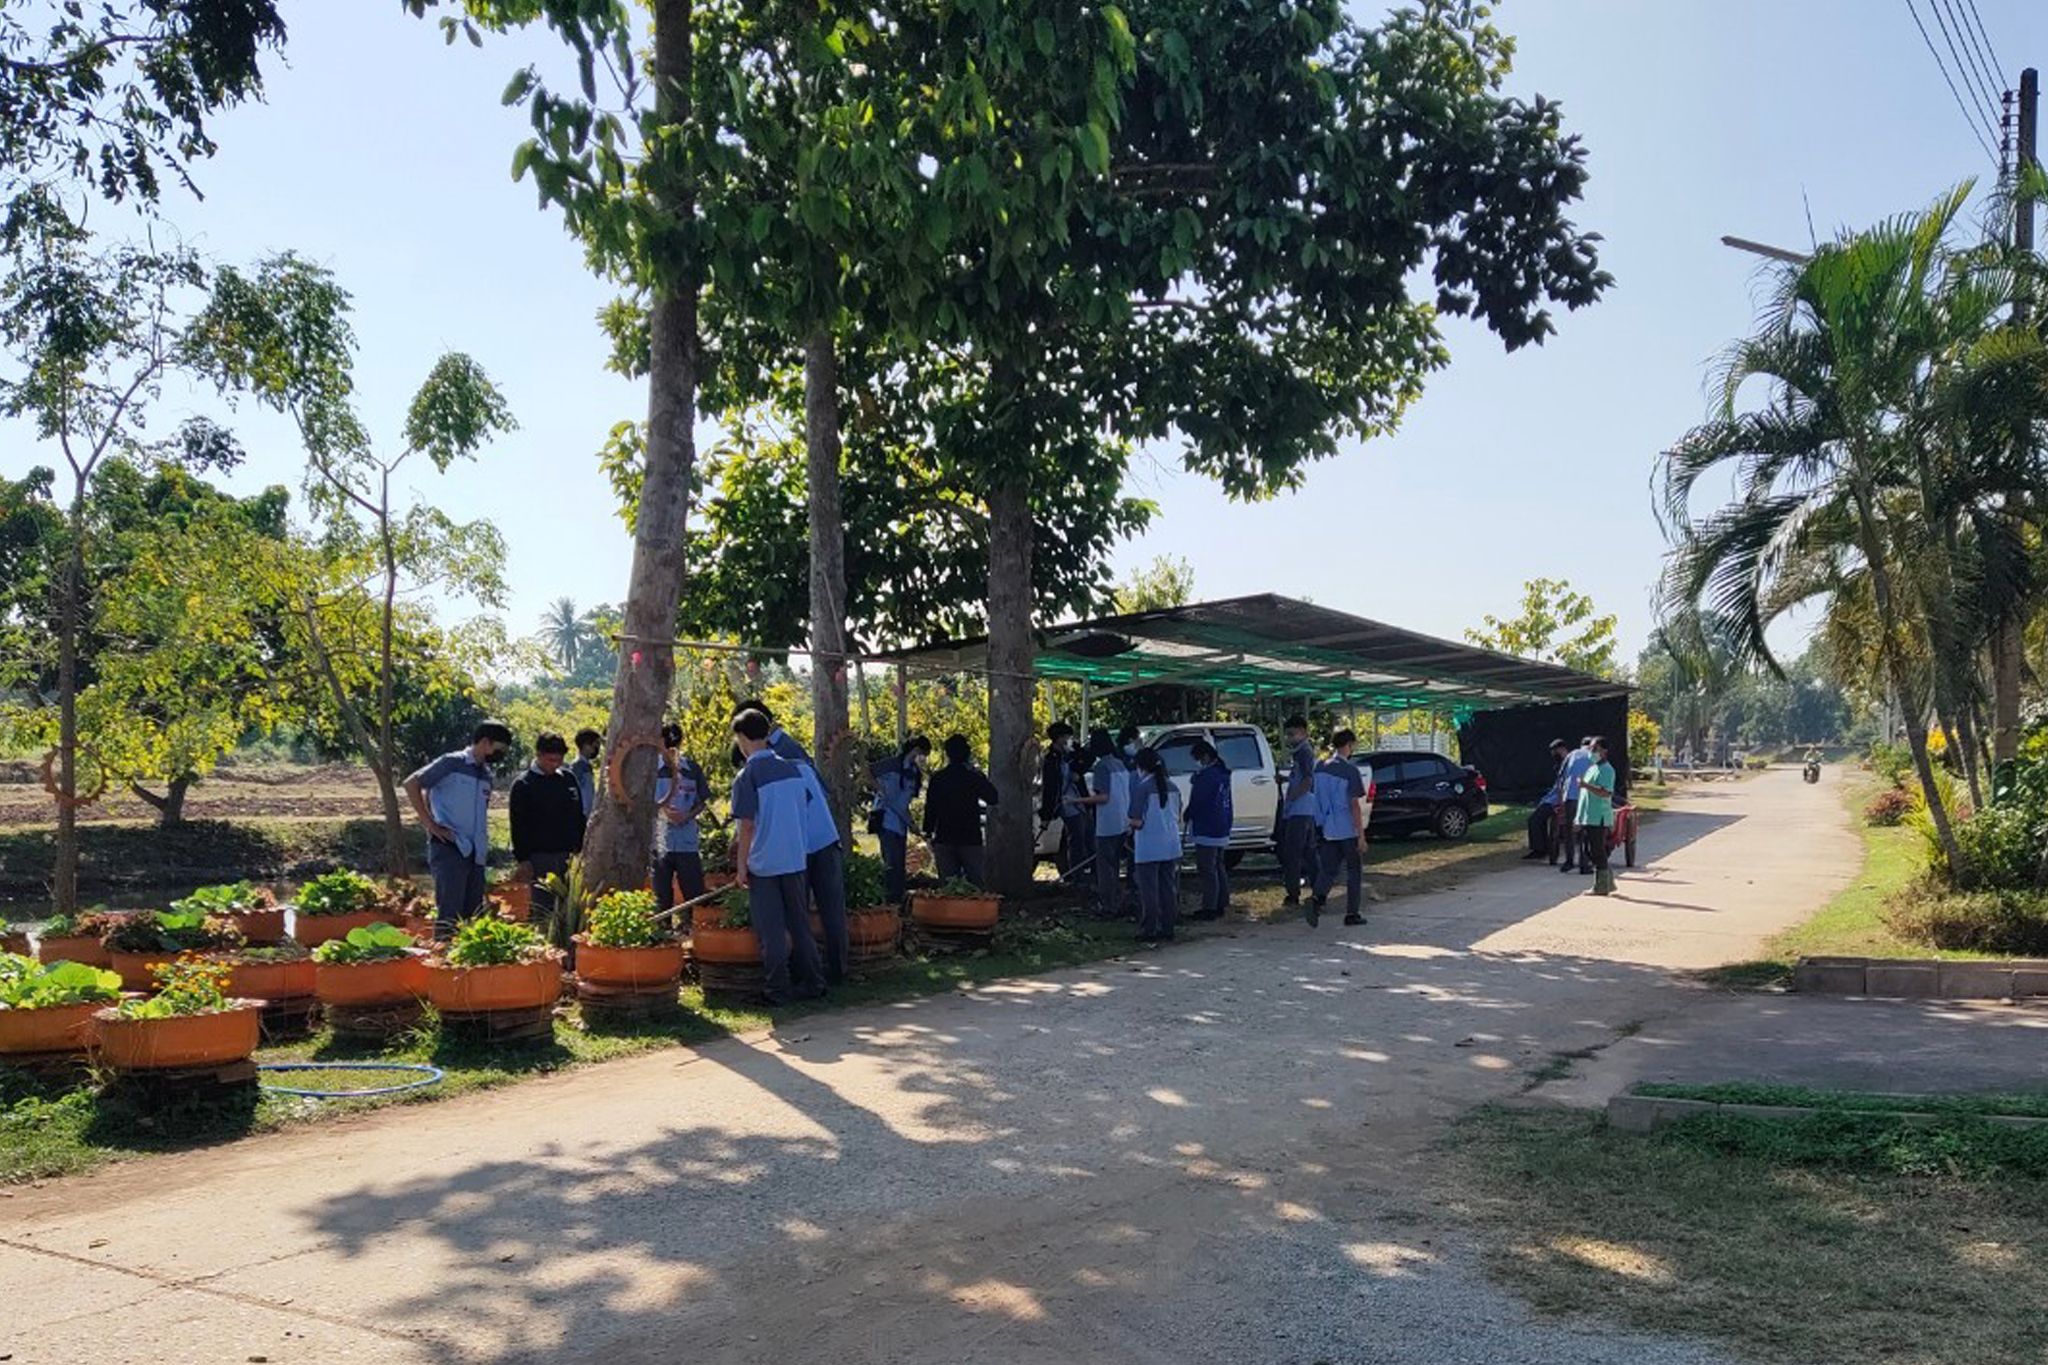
(1059, 789)
(898, 781)
(1210, 817)
(547, 821)
(1543, 820)
(952, 812)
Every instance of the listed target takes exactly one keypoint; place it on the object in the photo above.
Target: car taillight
(1479, 781)
(1372, 791)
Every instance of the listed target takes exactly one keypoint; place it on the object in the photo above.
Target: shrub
(174, 931)
(190, 985)
(488, 941)
(26, 984)
(625, 919)
(960, 888)
(1756, 763)
(95, 923)
(338, 893)
(1892, 762)
(2000, 921)
(739, 909)
(214, 900)
(714, 846)
(377, 943)
(2001, 848)
(1889, 808)
(866, 884)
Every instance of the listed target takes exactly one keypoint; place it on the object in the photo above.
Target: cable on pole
(1962, 105)
(1991, 49)
(1984, 85)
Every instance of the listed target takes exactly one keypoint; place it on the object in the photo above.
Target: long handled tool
(693, 901)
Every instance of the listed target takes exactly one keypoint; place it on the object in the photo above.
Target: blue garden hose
(431, 1075)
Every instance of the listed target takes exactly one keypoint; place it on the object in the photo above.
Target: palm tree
(566, 632)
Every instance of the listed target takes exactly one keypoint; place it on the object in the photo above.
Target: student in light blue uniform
(769, 800)
(1575, 766)
(588, 743)
(1109, 783)
(452, 798)
(1297, 812)
(824, 854)
(682, 792)
(898, 781)
(1210, 817)
(1155, 847)
(1340, 801)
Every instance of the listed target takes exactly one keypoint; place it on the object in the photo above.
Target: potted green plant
(78, 938)
(270, 972)
(48, 1007)
(335, 902)
(722, 932)
(375, 967)
(253, 908)
(714, 850)
(956, 904)
(872, 924)
(625, 947)
(191, 1021)
(142, 943)
(491, 966)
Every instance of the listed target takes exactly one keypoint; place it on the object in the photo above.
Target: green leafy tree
(1555, 625)
(568, 633)
(1167, 581)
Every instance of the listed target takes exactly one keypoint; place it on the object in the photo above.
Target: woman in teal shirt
(1596, 818)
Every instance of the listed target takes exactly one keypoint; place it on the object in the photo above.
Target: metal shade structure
(1269, 647)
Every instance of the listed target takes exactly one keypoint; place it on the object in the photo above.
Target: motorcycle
(1813, 772)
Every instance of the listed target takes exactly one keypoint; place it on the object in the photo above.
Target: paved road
(1216, 1153)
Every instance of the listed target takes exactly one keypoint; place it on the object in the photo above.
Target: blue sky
(385, 155)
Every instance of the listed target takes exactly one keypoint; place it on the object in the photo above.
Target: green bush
(214, 900)
(1892, 762)
(488, 941)
(1999, 921)
(338, 893)
(2001, 848)
(738, 907)
(1888, 808)
(377, 943)
(172, 931)
(625, 919)
(26, 984)
(866, 883)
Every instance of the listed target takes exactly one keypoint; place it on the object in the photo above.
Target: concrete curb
(2016, 978)
(1648, 1113)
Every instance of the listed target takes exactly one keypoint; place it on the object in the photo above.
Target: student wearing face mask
(898, 781)
(1210, 817)
(1299, 844)
(1109, 788)
(1059, 784)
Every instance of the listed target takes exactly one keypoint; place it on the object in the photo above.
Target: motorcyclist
(1813, 763)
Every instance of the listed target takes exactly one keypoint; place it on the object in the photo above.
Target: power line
(1997, 62)
(1989, 85)
(1963, 69)
(1962, 105)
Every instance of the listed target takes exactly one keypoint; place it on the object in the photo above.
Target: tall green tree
(1168, 581)
(1555, 625)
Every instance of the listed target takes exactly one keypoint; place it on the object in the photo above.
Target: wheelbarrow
(1621, 835)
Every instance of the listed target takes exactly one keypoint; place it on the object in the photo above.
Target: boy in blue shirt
(898, 781)
(1340, 823)
(452, 798)
(1209, 820)
(682, 792)
(1297, 812)
(769, 800)
(1575, 767)
(1109, 797)
(824, 855)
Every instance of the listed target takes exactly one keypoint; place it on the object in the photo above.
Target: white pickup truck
(1254, 786)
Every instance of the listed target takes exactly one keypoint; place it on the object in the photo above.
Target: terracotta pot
(874, 926)
(135, 969)
(632, 968)
(16, 941)
(714, 881)
(479, 990)
(262, 926)
(60, 1028)
(228, 1035)
(366, 985)
(713, 944)
(271, 980)
(314, 930)
(74, 948)
(515, 900)
(955, 912)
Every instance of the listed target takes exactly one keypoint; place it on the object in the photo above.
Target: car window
(1420, 770)
(1387, 775)
(1239, 751)
(1177, 752)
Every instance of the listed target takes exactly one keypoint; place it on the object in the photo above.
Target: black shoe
(1585, 872)
(1354, 919)
(1289, 901)
(1566, 867)
(1532, 855)
(1314, 912)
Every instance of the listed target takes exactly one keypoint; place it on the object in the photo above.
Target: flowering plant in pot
(493, 964)
(956, 904)
(626, 947)
(49, 1007)
(335, 902)
(79, 937)
(253, 908)
(370, 967)
(142, 943)
(190, 1022)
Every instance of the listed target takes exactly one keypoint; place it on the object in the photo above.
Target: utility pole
(2006, 643)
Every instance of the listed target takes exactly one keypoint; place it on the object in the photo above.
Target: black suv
(1416, 791)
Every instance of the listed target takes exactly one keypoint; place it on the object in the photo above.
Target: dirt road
(1216, 1153)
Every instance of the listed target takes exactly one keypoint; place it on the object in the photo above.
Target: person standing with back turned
(1155, 847)
(1298, 840)
(768, 801)
(1210, 817)
(953, 813)
(898, 781)
(1575, 765)
(1109, 797)
(1340, 815)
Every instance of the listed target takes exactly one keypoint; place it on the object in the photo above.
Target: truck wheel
(1453, 821)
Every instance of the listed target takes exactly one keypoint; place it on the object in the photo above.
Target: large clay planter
(189, 1040)
(482, 990)
(260, 926)
(60, 1028)
(314, 930)
(369, 985)
(718, 881)
(955, 912)
(515, 901)
(874, 927)
(628, 968)
(731, 947)
(271, 980)
(74, 948)
(16, 941)
(135, 969)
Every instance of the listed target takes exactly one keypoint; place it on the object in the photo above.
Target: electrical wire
(1983, 84)
(1997, 62)
(1962, 105)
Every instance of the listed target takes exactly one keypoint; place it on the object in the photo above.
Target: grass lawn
(1798, 1096)
(1784, 1245)
(54, 1129)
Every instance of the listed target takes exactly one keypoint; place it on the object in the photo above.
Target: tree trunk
(397, 857)
(831, 728)
(1012, 749)
(170, 807)
(64, 881)
(2005, 695)
(618, 849)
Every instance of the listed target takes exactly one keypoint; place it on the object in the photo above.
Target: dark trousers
(458, 886)
(781, 911)
(1297, 854)
(1213, 877)
(1158, 896)
(960, 860)
(826, 872)
(1567, 836)
(1109, 855)
(1593, 845)
(895, 848)
(1342, 853)
(1541, 821)
(670, 868)
(546, 865)
(1077, 841)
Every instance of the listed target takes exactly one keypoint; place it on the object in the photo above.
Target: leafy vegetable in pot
(488, 941)
(625, 919)
(376, 943)
(338, 893)
(26, 984)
